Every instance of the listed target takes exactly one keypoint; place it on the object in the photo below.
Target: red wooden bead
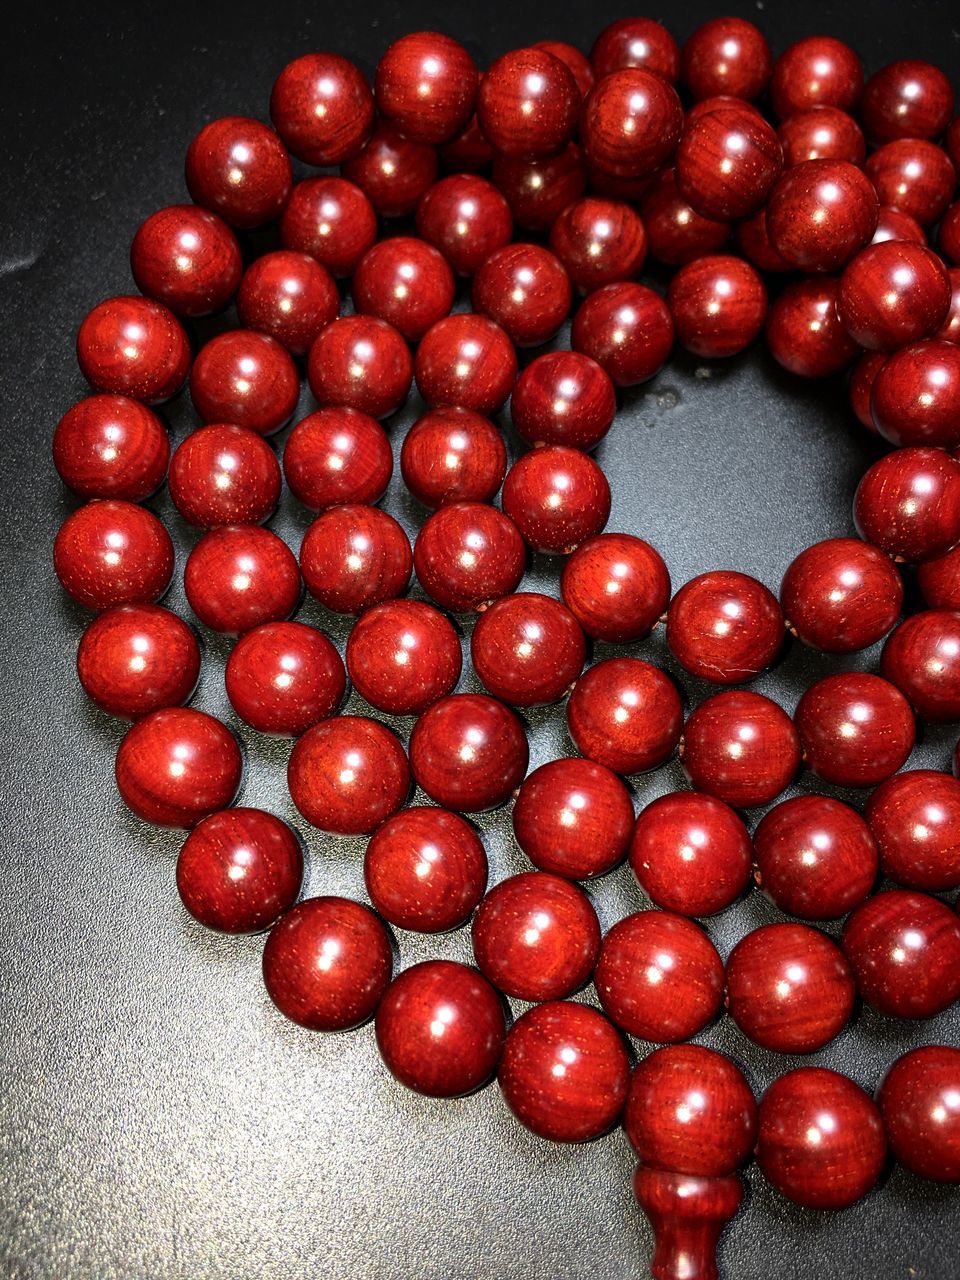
(676, 233)
(725, 627)
(821, 212)
(939, 581)
(425, 870)
(616, 586)
(137, 658)
(539, 190)
(526, 290)
(536, 937)
(468, 554)
(815, 857)
(355, 556)
(718, 305)
(468, 361)
(631, 123)
(599, 242)
(855, 728)
(691, 854)
(289, 296)
(330, 219)
(284, 677)
(904, 949)
(727, 163)
(915, 818)
(186, 258)
(822, 133)
(527, 649)
(453, 455)
(224, 475)
(687, 1216)
(804, 332)
(949, 235)
(636, 42)
(468, 752)
(347, 775)
(841, 595)
(821, 1140)
(337, 455)
(690, 1110)
(136, 347)
(393, 172)
(625, 714)
(563, 398)
(922, 658)
(907, 99)
(177, 765)
(466, 218)
(239, 870)
(440, 1029)
(920, 1103)
(360, 362)
(740, 747)
(576, 62)
(894, 225)
(949, 331)
(789, 988)
(322, 108)
(426, 86)
(406, 282)
(860, 386)
(528, 103)
(908, 504)
(564, 1072)
(238, 168)
(627, 329)
(111, 447)
(819, 71)
(726, 55)
(573, 818)
(112, 552)
(403, 655)
(753, 241)
(893, 293)
(246, 379)
(913, 176)
(557, 497)
(240, 576)
(659, 977)
(327, 963)
(915, 399)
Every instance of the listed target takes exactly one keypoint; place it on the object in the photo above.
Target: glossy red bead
(894, 225)
(687, 1216)
(426, 86)
(393, 172)
(111, 552)
(564, 1072)
(690, 1110)
(804, 332)
(362, 363)
(627, 329)
(468, 361)
(468, 752)
(753, 241)
(725, 627)
(137, 658)
(856, 729)
(289, 296)
(616, 586)
(176, 766)
(726, 56)
(908, 504)
(915, 399)
(536, 937)
(659, 977)
(347, 775)
(247, 379)
(403, 655)
(915, 819)
(822, 133)
(922, 658)
(239, 870)
(528, 103)
(538, 190)
(919, 1100)
(224, 475)
(821, 212)
(676, 233)
(186, 258)
(527, 649)
(631, 122)
(904, 949)
(466, 218)
(691, 853)
(322, 107)
(727, 162)
(563, 398)
(949, 331)
(907, 99)
(440, 1029)
(913, 176)
(284, 677)
(425, 869)
(337, 455)
(815, 857)
(939, 581)
(330, 219)
(577, 63)
(327, 963)
(557, 497)
(467, 555)
(355, 556)
(526, 290)
(718, 305)
(453, 455)
(131, 346)
(599, 242)
(406, 282)
(819, 71)
(740, 747)
(892, 294)
(573, 818)
(626, 714)
(240, 576)
(636, 42)
(238, 168)
(841, 595)
(820, 1141)
(111, 447)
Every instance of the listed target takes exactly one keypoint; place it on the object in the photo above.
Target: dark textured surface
(161, 1119)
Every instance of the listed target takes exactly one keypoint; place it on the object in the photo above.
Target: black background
(160, 1119)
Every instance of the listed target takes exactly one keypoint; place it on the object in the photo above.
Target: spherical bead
(727, 163)
(289, 296)
(284, 677)
(599, 242)
(740, 747)
(625, 714)
(919, 1100)
(893, 293)
(348, 775)
(528, 103)
(393, 172)
(111, 552)
(939, 581)
(337, 455)
(224, 475)
(907, 99)
(186, 258)
(330, 219)
(636, 42)
(362, 363)
(725, 627)
(526, 290)
(804, 332)
(728, 56)
(819, 71)
(135, 347)
(563, 398)
(240, 576)
(557, 497)
(913, 176)
(426, 86)
(137, 658)
(915, 818)
(405, 282)
(676, 233)
(527, 649)
(627, 329)
(576, 62)
(239, 169)
(466, 218)
(468, 752)
(922, 658)
(631, 123)
(616, 586)
(841, 595)
(573, 818)
(355, 556)
(855, 728)
(894, 225)
(718, 305)
(322, 108)
(453, 455)
(915, 399)
(111, 447)
(402, 656)
(247, 379)
(908, 504)
(537, 191)
(468, 361)
(467, 555)
(753, 241)
(822, 133)
(821, 212)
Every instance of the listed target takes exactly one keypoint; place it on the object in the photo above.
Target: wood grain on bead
(426, 86)
(599, 242)
(631, 123)
(354, 557)
(330, 219)
(111, 447)
(131, 346)
(528, 103)
(616, 586)
(563, 398)
(361, 362)
(469, 752)
(907, 99)
(224, 475)
(557, 497)
(573, 818)
(468, 361)
(627, 328)
(238, 168)
(466, 218)
(922, 658)
(804, 332)
(636, 42)
(186, 258)
(821, 212)
(136, 658)
(676, 233)
(819, 71)
(347, 775)
(240, 576)
(841, 595)
(403, 655)
(526, 290)
(726, 56)
(467, 555)
(915, 397)
(538, 190)
(741, 748)
(914, 177)
(626, 714)
(406, 282)
(856, 729)
(527, 649)
(453, 455)
(322, 107)
(110, 552)
(289, 296)
(247, 379)
(893, 293)
(718, 305)
(915, 819)
(822, 133)
(908, 504)
(727, 163)
(393, 172)
(337, 455)
(919, 1100)
(284, 677)
(687, 1216)
(725, 627)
